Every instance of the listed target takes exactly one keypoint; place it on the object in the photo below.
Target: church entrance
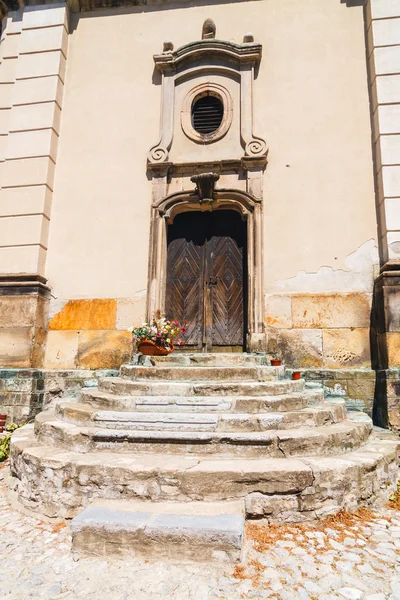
(207, 278)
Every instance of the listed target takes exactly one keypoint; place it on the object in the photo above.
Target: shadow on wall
(352, 3)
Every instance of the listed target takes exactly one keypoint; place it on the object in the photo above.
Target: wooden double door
(207, 277)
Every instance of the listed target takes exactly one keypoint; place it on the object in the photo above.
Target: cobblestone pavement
(353, 558)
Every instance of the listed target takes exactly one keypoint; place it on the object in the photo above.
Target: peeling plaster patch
(56, 306)
(359, 276)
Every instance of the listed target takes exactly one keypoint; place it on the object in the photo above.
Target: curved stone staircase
(176, 454)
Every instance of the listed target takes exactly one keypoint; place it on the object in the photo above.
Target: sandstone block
(6, 92)
(36, 17)
(44, 40)
(11, 46)
(38, 89)
(278, 311)
(5, 114)
(7, 71)
(41, 64)
(24, 230)
(385, 32)
(300, 347)
(104, 349)
(346, 347)
(386, 60)
(17, 311)
(383, 9)
(393, 348)
(392, 205)
(260, 505)
(61, 350)
(16, 347)
(391, 179)
(387, 89)
(22, 259)
(95, 314)
(331, 310)
(28, 171)
(25, 200)
(393, 241)
(386, 120)
(26, 144)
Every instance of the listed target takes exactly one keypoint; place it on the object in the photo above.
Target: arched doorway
(206, 281)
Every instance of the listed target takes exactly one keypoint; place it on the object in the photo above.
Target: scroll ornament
(256, 147)
(158, 154)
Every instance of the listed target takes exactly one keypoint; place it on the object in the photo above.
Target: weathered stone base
(58, 482)
(26, 392)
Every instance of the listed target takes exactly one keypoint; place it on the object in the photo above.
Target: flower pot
(149, 348)
(3, 417)
(296, 375)
(275, 362)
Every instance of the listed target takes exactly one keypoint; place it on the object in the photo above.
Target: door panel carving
(206, 277)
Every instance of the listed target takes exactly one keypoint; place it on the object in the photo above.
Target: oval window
(207, 114)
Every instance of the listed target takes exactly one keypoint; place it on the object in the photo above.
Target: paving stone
(350, 593)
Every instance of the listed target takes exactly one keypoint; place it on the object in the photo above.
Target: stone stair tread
(282, 402)
(183, 530)
(210, 358)
(199, 373)
(78, 413)
(162, 476)
(122, 386)
(326, 440)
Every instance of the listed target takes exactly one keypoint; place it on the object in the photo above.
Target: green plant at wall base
(5, 442)
(394, 499)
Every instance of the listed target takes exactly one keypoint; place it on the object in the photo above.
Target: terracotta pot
(3, 417)
(275, 362)
(2, 422)
(296, 375)
(149, 348)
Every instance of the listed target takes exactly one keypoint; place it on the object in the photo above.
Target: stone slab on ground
(37, 564)
(193, 530)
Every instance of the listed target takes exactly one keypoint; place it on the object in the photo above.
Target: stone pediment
(248, 52)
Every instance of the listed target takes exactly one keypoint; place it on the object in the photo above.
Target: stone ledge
(195, 530)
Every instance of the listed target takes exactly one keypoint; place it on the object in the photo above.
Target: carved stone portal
(209, 74)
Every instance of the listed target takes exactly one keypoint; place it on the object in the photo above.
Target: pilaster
(32, 74)
(383, 51)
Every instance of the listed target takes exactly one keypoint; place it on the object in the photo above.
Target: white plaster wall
(311, 104)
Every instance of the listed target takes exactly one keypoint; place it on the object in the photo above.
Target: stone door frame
(250, 208)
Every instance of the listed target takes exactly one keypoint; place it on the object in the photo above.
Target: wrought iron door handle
(212, 281)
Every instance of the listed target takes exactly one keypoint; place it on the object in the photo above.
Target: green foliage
(394, 499)
(5, 442)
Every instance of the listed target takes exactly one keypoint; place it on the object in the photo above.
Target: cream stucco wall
(311, 105)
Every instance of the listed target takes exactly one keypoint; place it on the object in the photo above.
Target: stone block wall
(91, 334)
(320, 330)
(26, 392)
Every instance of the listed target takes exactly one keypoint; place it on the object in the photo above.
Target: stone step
(214, 359)
(324, 441)
(124, 387)
(59, 483)
(282, 403)
(85, 415)
(200, 373)
(200, 531)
